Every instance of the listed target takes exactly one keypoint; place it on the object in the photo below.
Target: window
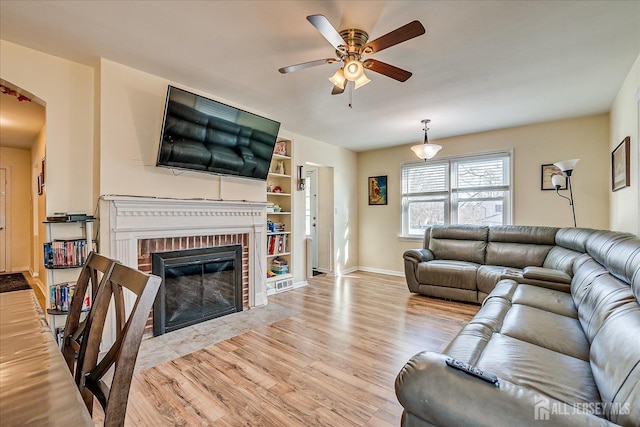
(473, 189)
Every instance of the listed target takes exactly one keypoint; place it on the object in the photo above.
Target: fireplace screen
(197, 285)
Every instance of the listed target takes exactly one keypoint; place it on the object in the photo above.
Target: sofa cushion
(550, 300)
(562, 259)
(546, 274)
(615, 361)
(553, 331)
(455, 274)
(515, 246)
(490, 275)
(573, 238)
(459, 242)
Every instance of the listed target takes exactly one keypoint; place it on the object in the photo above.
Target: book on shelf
(61, 295)
(66, 253)
(277, 244)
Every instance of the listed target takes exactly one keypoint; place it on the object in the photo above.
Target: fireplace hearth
(198, 285)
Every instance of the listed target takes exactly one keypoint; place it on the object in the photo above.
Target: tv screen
(204, 135)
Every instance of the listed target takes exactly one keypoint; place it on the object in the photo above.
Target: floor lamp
(567, 167)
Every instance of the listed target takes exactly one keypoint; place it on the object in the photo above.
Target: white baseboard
(381, 271)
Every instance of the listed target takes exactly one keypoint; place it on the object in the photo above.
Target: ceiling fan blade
(327, 30)
(387, 70)
(399, 35)
(337, 90)
(302, 66)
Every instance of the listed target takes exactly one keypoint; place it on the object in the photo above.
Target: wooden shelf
(279, 277)
(279, 213)
(275, 233)
(279, 194)
(281, 157)
(280, 254)
(279, 175)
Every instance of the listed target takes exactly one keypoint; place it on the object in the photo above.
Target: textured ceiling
(482, 65)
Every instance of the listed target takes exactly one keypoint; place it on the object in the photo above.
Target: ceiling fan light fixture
(361, 81)
(426, 150)
(338, 79)
(353, 69)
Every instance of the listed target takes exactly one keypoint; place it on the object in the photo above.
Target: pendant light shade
(426, 150)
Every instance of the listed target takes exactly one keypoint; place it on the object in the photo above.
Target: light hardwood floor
(331, 360)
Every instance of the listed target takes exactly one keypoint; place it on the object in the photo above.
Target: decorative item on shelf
(270, 186)
(279, 266)
(280, 168)
(301, 180)
(567, 167)
(280, 148)
(277, 189)
(426, 150)
(620, 165)
(277, 208)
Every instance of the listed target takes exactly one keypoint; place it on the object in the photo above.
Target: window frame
(452, 195)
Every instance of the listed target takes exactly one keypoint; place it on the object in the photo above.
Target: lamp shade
(557, 181)
(353, 69)
(361, 81)
(567, 165)
(338, 79)
(426, 151)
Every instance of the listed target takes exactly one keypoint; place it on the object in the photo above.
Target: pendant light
(426, 150)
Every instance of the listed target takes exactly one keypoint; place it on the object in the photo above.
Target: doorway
(319, 219)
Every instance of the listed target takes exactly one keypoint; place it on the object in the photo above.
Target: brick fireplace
(132, 228)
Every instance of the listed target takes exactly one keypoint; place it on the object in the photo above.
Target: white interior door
(311, 213)
(3, 220)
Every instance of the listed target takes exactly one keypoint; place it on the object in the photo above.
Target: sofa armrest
(418, 255)
(429, 389)
(546, 274)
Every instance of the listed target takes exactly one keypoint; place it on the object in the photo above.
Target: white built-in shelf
(280, 254)
(279, 213)
(280, 156)
(279, 194)
(275, 233)
(280, 175)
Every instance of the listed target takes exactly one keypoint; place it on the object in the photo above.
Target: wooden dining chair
(90, 374)
(95, 268)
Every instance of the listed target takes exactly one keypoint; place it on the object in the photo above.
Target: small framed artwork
(43, 167)
(378, 190)
(548, 171)
(620, 165)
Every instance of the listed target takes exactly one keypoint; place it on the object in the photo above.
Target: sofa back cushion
(458, 242)
(561, 259)
(615, 363)
(519, 246)
(574, 238)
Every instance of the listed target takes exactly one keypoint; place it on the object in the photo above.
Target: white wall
(67, 89)
(625, 121)
(534, 145)
(131, 109)
(345, 214)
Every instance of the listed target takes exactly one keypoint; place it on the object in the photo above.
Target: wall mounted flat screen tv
(204, 135)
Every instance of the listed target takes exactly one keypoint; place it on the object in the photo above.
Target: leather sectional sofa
(564, 356)
(195, 140)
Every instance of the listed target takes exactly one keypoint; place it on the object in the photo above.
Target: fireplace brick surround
(131, 228)
(146, 247)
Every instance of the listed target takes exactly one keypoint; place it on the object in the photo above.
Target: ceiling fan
(351, 46)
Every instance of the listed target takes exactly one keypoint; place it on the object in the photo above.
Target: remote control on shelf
(472, 370)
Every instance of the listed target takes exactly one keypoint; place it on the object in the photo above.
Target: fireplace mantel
(124, 220)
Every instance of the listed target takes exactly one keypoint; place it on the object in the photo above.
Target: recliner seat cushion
(455, 274)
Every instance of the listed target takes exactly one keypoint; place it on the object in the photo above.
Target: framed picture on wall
(620, 165)
(378, 190)
(548, 171)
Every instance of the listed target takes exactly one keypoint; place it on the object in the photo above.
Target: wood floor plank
(332, 362)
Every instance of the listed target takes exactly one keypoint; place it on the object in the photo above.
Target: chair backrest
(122, 354)
(93, 271)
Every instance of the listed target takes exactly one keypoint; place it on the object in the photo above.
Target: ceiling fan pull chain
(350, 94)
